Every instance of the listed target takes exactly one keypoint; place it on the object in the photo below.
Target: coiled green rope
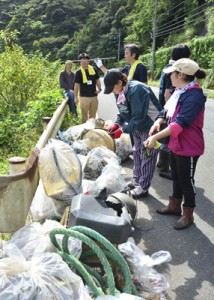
(86, 235)
(112, 254)
(64, 252)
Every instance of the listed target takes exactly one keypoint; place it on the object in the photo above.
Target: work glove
(116, 134)
(113, 127)
(146, 150)
(98, 62)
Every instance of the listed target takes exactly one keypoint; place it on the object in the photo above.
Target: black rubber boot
(166, 174)
(164, 165)
(160, 163)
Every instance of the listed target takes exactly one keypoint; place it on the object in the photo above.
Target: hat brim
(108, 89)
(169, 70)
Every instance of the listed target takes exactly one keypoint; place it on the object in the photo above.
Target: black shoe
(160, 164)
(165, 174)
(163, 161)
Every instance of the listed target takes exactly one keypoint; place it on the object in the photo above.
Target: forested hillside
(64, 28)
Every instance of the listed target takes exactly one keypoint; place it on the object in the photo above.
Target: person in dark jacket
(66, 82)
(138, 108)
(185, 109)
(166, 90)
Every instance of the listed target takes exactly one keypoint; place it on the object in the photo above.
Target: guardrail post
(45, 120)
(16, 165)
(17, 189)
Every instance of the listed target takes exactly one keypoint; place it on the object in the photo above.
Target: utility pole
(78, 48)
(118, 48)
(154, 38)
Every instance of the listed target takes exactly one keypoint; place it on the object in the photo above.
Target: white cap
(183, 65)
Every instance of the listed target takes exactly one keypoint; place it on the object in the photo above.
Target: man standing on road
(135, 70)
(87, 86)
(66, 82)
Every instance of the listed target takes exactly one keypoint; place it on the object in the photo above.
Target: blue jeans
(71, 103)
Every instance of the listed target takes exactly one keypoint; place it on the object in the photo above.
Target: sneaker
(132, 184)
(138, 192)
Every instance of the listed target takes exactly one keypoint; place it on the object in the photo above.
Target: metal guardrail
(17, 191)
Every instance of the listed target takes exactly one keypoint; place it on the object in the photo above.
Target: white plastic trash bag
(89, 187)
(161, 257)
(74, 133)
(60, 171)
(80, 147)
(44, 207)
(97, 159)
(122, 296)
(123, 147)
(34, 239)
(144, 276)
(43, 277)
(111, 179)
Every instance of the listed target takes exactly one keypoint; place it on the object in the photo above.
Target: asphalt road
(191, 271)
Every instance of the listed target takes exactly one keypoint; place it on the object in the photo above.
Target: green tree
(22, 77)
(100, 35)
(62, 28)
(28, 91)
(48, 25)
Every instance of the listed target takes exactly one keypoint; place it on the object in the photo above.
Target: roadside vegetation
(63, 29)
(201, 51)
(29, 91)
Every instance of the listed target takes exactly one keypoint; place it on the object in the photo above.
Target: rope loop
(108, 251)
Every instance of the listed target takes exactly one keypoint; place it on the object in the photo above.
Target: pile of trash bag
(30, 268)
(69, 167)
(73, 165)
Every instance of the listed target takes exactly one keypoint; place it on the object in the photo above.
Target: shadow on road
(190, 273)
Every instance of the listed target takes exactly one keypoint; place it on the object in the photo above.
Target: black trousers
(183, 171)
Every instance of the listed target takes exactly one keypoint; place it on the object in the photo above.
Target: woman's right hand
(150, 142)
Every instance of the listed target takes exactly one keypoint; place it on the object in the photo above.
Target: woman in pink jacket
(185, 110)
